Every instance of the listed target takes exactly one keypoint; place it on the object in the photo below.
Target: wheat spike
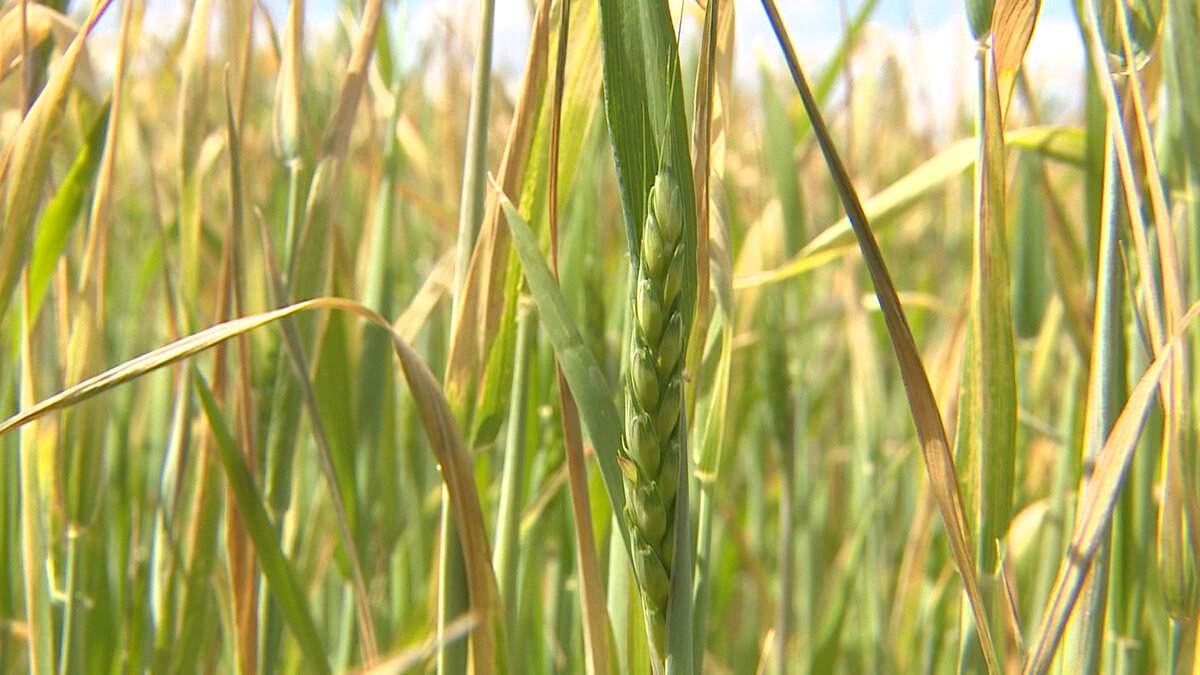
(653, 400)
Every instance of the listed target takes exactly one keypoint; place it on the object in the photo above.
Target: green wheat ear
(653, 400)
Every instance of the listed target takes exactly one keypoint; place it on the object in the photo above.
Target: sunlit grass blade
(307, 248)
(1178, 551)
(337, 130)
(337, 483)
(1097, 505)
(1064, 144)
(1061, 237)
(506, 556)
(783, 164)
(470, 215)
(979, 17)
(284, 414)
(1152, 295)
(1106, 391)
(713, 226)
(586, 379)
(435, 416)
(193, 98)
(596, 410)
(411, 657)
(83, 481)
(1160, 274)
(286, 130)
(239, 26)
(777, 377)
(79, 480)
(278, 573)
(483, 306)
(26, 160)
(591, 596)
(1181, 54)
(30, 30)
(485, 336)
(1013, 22)
(63, 210)
(452, 657)
(706, 107)
(308, 255)
(829, 632)
(241, 563)
(488, 642)
(155, 359)
(33, 525)
(985, 441)
(926, 416)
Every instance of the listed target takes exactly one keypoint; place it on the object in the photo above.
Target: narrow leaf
(27, 158)
(1097, 505)
(1012, 25)
(939, 464)
(596, 410)
(278, 573)
(62, 212)
(1065, 144)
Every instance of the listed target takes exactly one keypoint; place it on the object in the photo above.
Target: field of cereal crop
(332, 340)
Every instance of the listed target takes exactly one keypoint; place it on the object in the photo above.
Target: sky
(929, 37)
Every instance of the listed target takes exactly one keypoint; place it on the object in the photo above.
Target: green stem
(470, 214)
(507, 555)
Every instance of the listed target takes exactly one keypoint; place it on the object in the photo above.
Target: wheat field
(325, 345)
